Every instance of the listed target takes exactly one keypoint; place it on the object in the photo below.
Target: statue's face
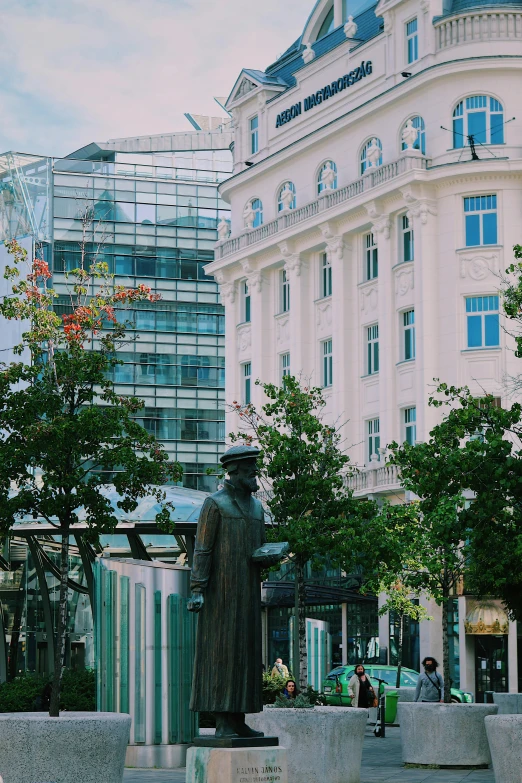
(245, 477)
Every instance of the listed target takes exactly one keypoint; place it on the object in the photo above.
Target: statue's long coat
(228, 663)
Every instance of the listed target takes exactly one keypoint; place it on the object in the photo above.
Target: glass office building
(155, 207)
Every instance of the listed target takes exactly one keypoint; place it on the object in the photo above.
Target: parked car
(335, 686)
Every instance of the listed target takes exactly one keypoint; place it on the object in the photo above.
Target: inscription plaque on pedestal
(236, 765)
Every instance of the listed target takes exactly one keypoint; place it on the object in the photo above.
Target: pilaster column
(388, 415)
(299, 316)
(227, 290)
(422, 213)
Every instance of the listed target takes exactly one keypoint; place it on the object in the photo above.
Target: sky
(72, 71)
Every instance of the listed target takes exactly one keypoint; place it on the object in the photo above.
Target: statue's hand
(195, 602)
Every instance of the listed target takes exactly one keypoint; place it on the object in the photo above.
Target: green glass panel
(188, 632)
(309, 650)
(124, 644)
(98, 649)
(316, 658)
(174, 654)
(158, 695)
(139, 665)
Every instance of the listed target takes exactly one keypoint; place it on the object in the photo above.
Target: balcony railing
(327, 200)
(474, 26)
(374, 479)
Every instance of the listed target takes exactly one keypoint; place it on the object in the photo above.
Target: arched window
(481, 117)
(286, 197)
(420, 142)
(328, 24)
(371, 154)
(327, 177)
(253, 213)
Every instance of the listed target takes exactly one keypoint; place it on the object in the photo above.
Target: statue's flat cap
(237, 453)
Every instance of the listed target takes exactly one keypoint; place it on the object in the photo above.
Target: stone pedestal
(236, 765)
(445, 735)
(508, 703)
(505, 743)
(324, 744)
(78, 746)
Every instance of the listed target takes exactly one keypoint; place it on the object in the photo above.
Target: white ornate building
(394, 125)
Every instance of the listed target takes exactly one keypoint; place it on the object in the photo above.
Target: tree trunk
(445, 652)
(61, 634)
(302, 674)
(399, 651)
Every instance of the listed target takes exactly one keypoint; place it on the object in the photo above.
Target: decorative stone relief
(282, 330)
(254, 276)
(308, 53)
(403, 281)
(245, 86)
(223, 229)
(421, 209)
(382, 226)
(409, 134)
(244, 338)
(388, 21)
(425, 5)
(369, 299)
(323, 316)
(227, 289)
(479, 267)
(350, 28)
(373, 154)
(334, 242)
(249, 216)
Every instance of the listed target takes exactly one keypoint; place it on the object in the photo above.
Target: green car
(335, 686)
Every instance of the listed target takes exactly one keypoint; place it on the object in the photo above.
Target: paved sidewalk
(381, 764)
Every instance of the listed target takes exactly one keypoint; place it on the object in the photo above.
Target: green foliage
(399, 601)
(272, 686)
(300, 702)
(24, 693)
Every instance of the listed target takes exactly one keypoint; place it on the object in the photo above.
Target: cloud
(72, 73)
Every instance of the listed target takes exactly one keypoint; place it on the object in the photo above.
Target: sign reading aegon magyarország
(364, 69)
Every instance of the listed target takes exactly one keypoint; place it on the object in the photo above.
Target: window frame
(493, 131)
(489, 318)
(327, 363)
(413, 39)
(280, 190)
(403, 231)
(247, 382)
(319, 184)
(373, 437)
(481, 212)
(284, 365)
(372, 349)
(420, 143)
(325, 275)
(284, 292)
(371, 257)
(363, 163)
(246, 305)
(408, 337)
(254, 134)
(409, 428)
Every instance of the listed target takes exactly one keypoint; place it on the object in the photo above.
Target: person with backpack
(430, 685)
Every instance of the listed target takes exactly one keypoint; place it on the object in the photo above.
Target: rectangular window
(480, 214)
(327, 363)
(285, 365)
(254, 135)
(407, 238)
(412, 40)
(372, 364)
(326, 275)
(410, 425)
(408, 330)
(284, 292)
(246, 301)
(482, 315)
(247, 380)
(374, 437)
(372, 259)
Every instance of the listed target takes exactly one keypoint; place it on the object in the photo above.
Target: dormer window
(328, 24)
(254, 135)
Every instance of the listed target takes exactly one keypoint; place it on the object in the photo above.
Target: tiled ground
(381, 764)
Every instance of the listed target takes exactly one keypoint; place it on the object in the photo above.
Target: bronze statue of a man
(226, 592)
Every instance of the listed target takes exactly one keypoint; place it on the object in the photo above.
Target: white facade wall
(472, 53)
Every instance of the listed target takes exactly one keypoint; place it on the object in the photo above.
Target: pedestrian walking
(360, 689)
(430, 685)
(280, 670)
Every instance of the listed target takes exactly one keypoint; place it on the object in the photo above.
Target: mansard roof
(457, 6)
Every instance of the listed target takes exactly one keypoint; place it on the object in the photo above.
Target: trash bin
(390, 712)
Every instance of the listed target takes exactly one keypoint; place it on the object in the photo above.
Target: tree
(401, 604)
(63, 428)
(303, 470)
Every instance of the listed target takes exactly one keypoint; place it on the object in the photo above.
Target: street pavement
(381, 764)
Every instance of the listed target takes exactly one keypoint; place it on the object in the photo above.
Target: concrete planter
(505, 743)
(78, 746)
(508, 703)
(323, 744)
(447, 735)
